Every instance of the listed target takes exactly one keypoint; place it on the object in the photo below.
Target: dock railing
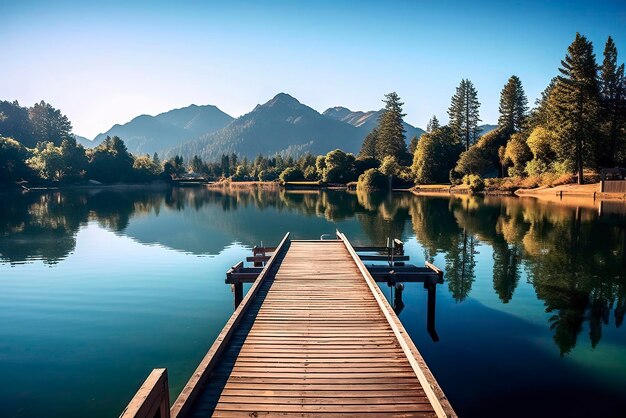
(152, 400)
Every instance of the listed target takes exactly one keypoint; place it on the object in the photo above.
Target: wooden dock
(314, 336)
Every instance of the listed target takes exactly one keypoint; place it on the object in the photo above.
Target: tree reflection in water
(574, 258)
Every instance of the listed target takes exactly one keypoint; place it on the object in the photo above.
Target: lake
(99, 287)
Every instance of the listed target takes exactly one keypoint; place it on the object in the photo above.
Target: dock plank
(314, 341)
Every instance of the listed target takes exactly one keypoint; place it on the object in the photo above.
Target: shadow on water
(495, 367)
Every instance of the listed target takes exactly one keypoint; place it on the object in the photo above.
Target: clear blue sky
(106, 63)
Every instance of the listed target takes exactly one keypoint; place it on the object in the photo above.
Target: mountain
(148, 134)
(483, 129)
(282, 125)
(367, 121)
(85, 142)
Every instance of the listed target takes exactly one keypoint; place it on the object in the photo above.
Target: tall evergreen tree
(196, 164)
(433, 124)
(15, 123)
(225, 165)
(368, 149)
(513, 106)
(464, 113)
(576, 105)
(391, 139)
(613, 96)
(541, 114)
(49, 124)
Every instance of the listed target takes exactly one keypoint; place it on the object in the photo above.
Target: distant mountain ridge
(483, 129)
(85, 142)
(281, 125)
(149, 134)
(367, 120)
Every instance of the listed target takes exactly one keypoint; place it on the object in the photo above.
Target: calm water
(98, 288)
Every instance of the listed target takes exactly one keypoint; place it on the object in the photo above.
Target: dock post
(238, 292)
(430, 314)
(398, 246)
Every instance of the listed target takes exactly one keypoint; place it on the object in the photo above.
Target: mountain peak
(337, 112)
(366, 120)
(284, 98)
(148, 134)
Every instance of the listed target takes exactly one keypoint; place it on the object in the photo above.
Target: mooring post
(398, 246)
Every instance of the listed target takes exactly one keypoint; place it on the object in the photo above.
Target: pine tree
(49, 124)
(433, 124)
(513, 106)
(196, 164)
(613, 97)
(156, 160)
(540, 115)
(368, 149)
(413, 144)
(576, 105)
(464, 113)
(455, 112)
(391, 139)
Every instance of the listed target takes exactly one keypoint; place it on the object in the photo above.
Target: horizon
(115, 62)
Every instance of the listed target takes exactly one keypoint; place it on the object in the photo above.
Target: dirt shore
(555, 194)
(591, 191)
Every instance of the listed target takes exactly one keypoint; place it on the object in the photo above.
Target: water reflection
(574, 258)
(572, 254)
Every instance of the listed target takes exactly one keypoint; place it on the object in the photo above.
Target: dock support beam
(430, 312)
(238, 292)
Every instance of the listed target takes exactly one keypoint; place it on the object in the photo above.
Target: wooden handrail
(197, 380)
(152, 400)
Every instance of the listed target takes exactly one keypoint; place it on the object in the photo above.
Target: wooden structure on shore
(313, 336)
(189, 179)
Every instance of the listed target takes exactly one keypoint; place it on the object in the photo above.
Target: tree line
(578, 123)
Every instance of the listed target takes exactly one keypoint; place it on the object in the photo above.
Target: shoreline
(584, 191)
(579, 191)
(589, 191)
